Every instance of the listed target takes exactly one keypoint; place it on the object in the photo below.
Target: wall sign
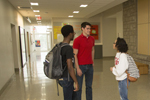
(94, 31)
(37, 43)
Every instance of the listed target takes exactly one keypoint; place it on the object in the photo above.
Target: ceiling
(63, 8)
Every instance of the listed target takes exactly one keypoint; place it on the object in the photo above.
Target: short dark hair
(66, 30)
(121, 45)
(83, 25)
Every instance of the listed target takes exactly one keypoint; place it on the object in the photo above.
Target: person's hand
(93, 64)
(76, 87)
(79, 72)
(111, 68)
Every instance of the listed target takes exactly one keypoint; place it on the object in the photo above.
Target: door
(22, 46)
(14, 46)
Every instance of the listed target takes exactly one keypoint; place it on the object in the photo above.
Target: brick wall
(130, 31)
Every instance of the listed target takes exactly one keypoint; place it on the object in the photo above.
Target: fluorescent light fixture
(76, 12)
(37, 15)
(34, 4)
(28, 19)
(24, 7)
(36, 10)
(38, 21)
(83, 5)
(70, 16)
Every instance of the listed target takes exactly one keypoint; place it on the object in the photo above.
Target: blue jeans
(87, 70)
(68, 87)
(123, 89)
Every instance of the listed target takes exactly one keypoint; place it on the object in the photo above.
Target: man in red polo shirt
(83, 48)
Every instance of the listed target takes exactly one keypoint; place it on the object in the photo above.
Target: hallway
(32, 84)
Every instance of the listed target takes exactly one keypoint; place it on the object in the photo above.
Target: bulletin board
(94, 31)
(57, 30)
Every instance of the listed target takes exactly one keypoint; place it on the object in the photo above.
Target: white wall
(112, 24)
(119, 20)
(8, 16)
(109, 36)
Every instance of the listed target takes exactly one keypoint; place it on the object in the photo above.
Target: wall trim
(6, 85)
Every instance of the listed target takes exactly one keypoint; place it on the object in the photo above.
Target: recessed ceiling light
(37, 15)
(83, 5)
(34, 4)
(38, 21)
(76, 12)
(70, 16)
(36, 10)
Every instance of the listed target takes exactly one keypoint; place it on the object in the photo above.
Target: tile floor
(31, 83)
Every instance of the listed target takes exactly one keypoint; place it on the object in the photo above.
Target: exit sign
(38, 18)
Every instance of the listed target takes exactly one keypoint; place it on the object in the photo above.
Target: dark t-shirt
(67, 53)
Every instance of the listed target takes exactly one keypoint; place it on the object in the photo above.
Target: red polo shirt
(84, 46)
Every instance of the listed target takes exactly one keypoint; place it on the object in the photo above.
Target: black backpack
(53, 62)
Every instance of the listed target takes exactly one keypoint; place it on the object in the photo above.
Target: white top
(121, 65)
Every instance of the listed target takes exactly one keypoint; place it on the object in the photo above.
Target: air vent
(25, 7)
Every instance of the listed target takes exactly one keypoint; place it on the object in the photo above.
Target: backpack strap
(57, 86)
(62, 45)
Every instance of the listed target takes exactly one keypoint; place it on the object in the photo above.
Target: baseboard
(6, 85)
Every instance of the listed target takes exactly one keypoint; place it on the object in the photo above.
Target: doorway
(14, 47)
(22, 46)
(45, 42)
(28, 45)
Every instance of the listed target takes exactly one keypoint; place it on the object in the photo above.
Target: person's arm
(93, 51)
(121, 67)
(72, 73)
(79, 72)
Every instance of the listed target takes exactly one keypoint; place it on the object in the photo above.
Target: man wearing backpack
(84, 56)
(69, 77)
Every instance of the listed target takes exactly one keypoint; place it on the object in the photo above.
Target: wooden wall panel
(143, 39)
(143, 11)
(149, 40)
(149, 11)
